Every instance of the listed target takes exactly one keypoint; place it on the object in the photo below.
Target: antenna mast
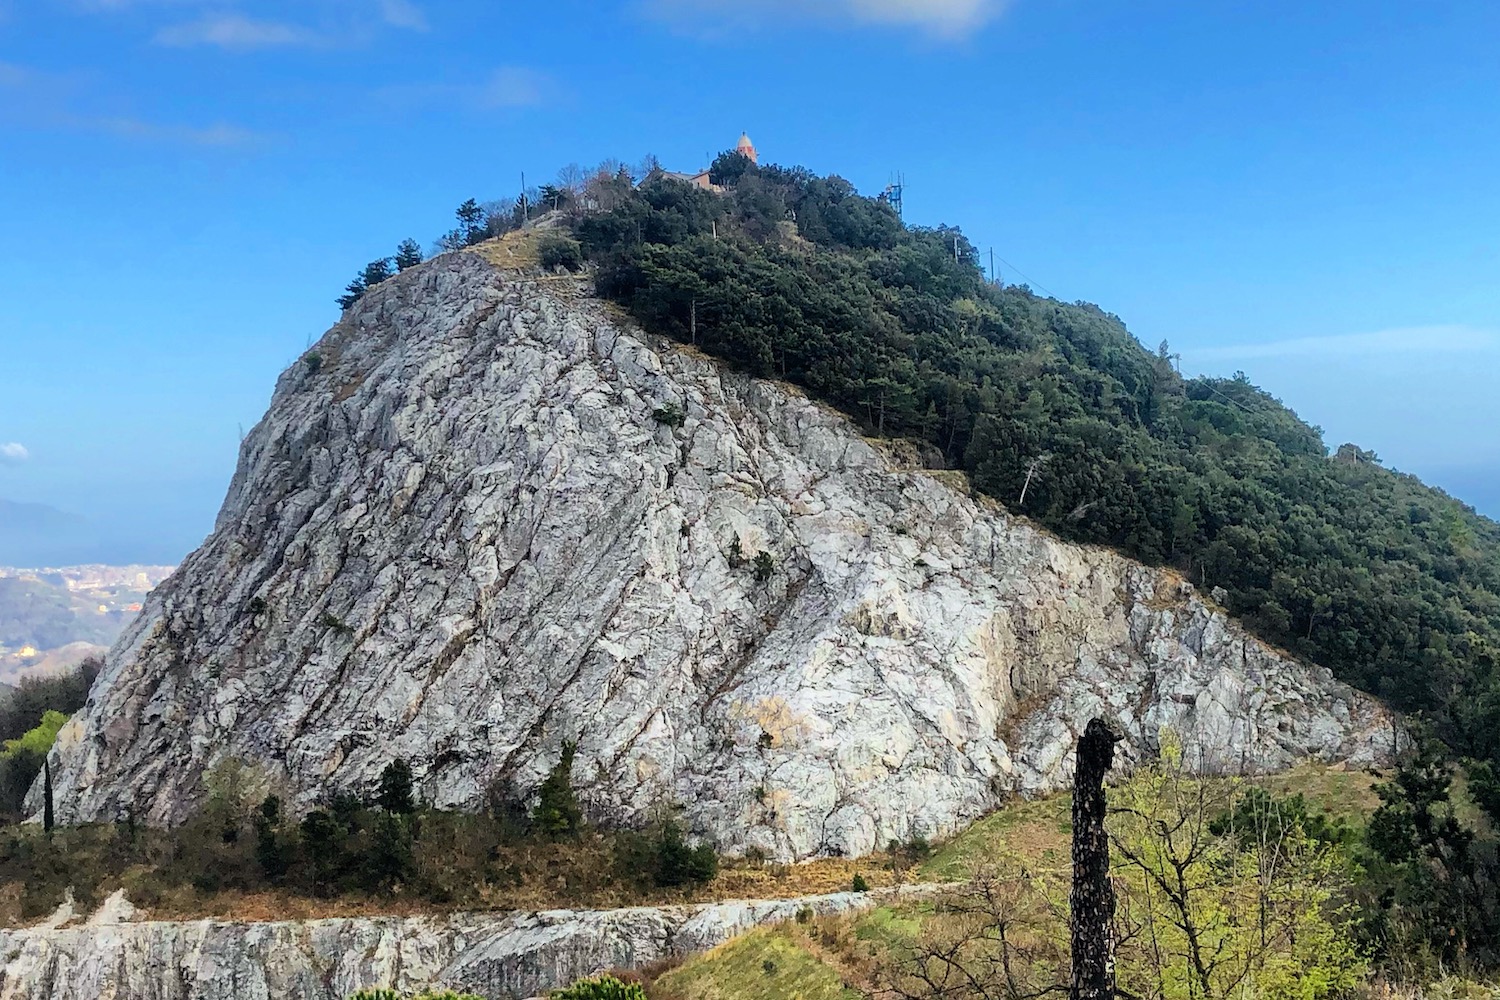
(892, 193)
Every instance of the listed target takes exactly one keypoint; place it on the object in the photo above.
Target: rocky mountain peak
(485, 516)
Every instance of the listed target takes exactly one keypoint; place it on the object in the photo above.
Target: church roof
(745, 142)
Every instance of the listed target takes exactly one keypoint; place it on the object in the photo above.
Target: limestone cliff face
(461, 535)
(499, 956)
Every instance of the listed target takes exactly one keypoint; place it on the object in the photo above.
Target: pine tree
(376, 271)
(353, 292)
(408, 254)
(395, 788)
(557, 812)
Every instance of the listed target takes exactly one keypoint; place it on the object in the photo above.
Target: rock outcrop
(499, 956)
(483, 516)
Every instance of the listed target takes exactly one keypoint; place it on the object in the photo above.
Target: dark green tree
(271, 850)
(395, 794)
(408, 254)
(679, 863)
(323, 844)
(390, 859)
(557, 812)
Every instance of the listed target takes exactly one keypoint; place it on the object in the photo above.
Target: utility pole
(992, 265)
(693, 322)
(525, 209)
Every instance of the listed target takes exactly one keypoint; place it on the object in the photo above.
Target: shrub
(671, 414)
(677, 863)
(600, 988)
(560, 251)
(860, 884)
(765, 566)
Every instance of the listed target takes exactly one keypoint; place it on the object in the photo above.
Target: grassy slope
(830, 952)
(771, 963)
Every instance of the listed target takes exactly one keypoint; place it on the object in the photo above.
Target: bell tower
(746, 148)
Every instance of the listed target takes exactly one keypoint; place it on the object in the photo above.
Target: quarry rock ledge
(499, 956)
(463, 534)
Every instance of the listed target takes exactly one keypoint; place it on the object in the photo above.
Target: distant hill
(52, 618)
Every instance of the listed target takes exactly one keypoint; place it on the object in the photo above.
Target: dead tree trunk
(1093, 898)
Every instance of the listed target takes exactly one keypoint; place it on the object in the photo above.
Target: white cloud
(948, 19)
(508, 87)
(208, 135)
(1423, 340)
(403, 14)
(234, 31)
(13, 452)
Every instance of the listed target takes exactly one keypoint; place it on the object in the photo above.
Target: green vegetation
(765, 964)
(30, 718)
(600, 988)
(386, 849)
(386, 994)
(560, 251)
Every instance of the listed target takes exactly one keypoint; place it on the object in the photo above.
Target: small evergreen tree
(390, 858)
(408, 254)
(270, 849)
(678, 863)
(557, 812)
(560, 251)
(471, 223)
(323, 843)
(395, 788)
(376, 271)
(353, 292)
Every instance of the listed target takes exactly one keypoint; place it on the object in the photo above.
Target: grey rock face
(460, 535)
(499, 956)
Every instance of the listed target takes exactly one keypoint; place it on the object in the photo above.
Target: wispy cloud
(1406, 340)
(508, 87)
(12, 452)
(403, 14)
(946, 19)
(54, 101)
(235, 31)
(219, 134)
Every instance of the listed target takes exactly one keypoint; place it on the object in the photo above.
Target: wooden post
(1093, 898)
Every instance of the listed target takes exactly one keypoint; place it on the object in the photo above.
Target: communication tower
(892, 193)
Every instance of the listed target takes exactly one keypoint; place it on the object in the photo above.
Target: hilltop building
(744, 147)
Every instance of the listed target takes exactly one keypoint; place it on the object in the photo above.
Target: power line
(1029, 280)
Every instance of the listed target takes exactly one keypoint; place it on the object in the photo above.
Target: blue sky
(1307, 192)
